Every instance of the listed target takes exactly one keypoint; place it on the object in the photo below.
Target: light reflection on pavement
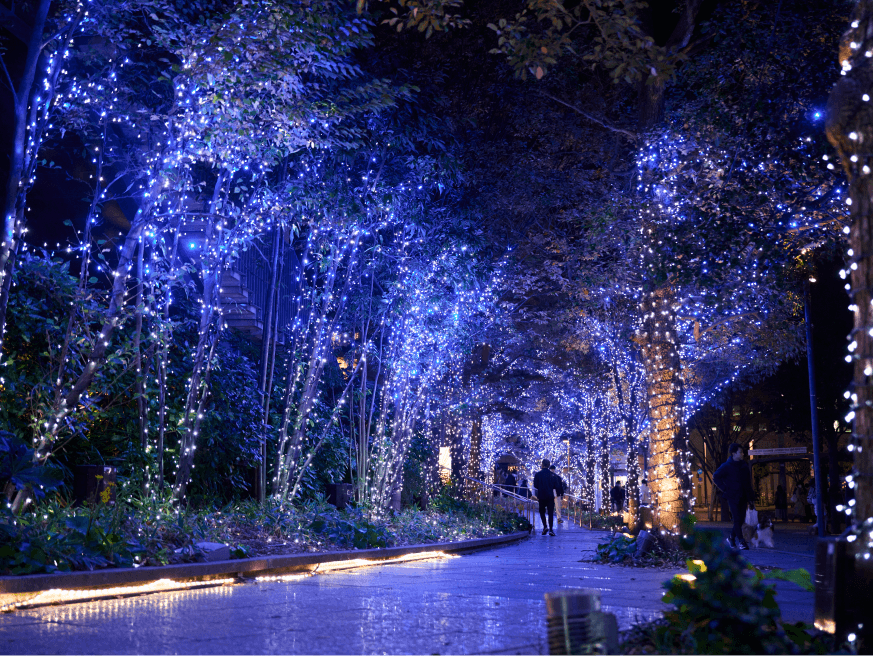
(487, 601)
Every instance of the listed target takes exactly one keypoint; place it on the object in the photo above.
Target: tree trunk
(163, 358)
(96, 357)
(264, 368)
(603, 461)
(833, 438)
(29, 118)
(206, 341)
(650, 108)
(16, 183)
(142, 406)
(474, 464)
(198, 387)
(850, 130)
(668, 470)
(590, 494)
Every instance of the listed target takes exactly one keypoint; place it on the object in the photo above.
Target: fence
(495, 495)
(253, 267)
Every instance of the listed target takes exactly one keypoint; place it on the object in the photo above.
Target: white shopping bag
(752, 517)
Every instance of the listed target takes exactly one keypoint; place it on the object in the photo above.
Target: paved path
(488, 601)
(794, 549)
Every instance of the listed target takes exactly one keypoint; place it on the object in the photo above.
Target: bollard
(576, 624)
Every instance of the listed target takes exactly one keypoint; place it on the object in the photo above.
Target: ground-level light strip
(56, 596)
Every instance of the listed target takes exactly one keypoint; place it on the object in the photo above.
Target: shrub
(724, 606)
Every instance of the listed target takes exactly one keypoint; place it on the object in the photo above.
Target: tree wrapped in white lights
(250, 88)
(626, 394)
(720, 302)
(850, 130)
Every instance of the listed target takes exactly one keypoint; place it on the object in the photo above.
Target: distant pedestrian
(808, 505)
(734, 479)
(810, 500)
(616, 494)
(523, 489)
(509, 483)
(559, 493)
(798, 512)
(545, 491)
(781, 503)
(645, 493)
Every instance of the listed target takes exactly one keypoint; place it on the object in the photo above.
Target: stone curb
(244, 567)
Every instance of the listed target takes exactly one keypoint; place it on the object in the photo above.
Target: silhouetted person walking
(781, 503)
(545, 487)
(734, 479)
(617, 496)
(510, 482)
(523, 489)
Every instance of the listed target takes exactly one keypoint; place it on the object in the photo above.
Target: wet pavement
(488, 601)
(794, 548)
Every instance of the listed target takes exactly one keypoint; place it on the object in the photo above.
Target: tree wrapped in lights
(733, 214)
(334, 255)
(426, 332)
(626, 393)
(719, 302)
(850, 130)
(307, 95)
(48, 40)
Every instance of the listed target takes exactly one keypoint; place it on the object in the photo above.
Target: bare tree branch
(630, 135)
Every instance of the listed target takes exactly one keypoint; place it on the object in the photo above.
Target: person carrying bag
(734, 479)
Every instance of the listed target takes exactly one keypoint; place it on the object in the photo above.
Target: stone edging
(18, 586)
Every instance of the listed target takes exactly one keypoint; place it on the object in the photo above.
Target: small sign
(797, 450)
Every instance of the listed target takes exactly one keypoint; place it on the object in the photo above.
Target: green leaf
(801, 577)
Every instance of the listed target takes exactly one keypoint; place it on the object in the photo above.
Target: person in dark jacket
(734, 479)
(509, 483)
(545, 486)
(616, 494)
(781, 503)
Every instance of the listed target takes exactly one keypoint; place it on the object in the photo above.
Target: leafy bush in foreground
(724, 606)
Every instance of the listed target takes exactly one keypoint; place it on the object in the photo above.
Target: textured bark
(850, 130)
(667, 473)
(651, 92)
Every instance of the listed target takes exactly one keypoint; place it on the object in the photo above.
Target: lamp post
(569, 471)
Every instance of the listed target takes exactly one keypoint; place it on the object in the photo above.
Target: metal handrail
(577, 507)
(512, 501)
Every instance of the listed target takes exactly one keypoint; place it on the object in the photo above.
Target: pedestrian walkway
(488, 601)
(794, 549)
